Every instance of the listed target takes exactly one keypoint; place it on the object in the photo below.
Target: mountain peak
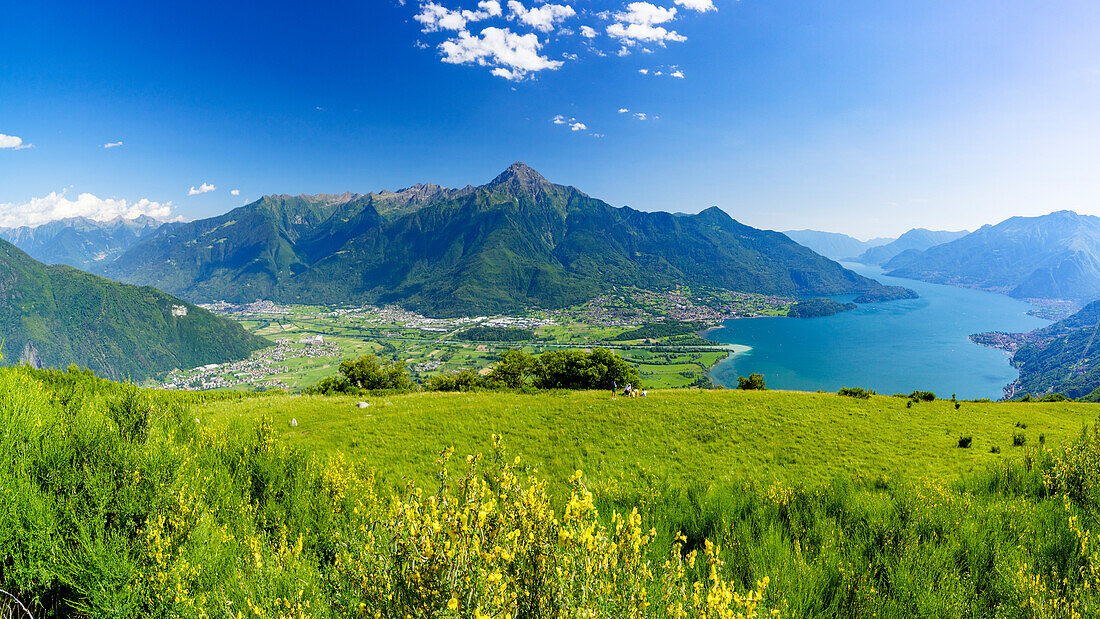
(521, 175)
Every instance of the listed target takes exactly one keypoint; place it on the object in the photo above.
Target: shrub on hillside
(576, 369)
(1018, 439)
(753, 382)
(922, 396)
(465, 380)
(131, 411)
(365, 374)
(514, 369)
(855, 392)
(965, 441)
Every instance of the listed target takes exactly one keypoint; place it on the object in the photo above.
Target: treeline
(497, 334)
(555, 369)
(657, 330)
(818, 308)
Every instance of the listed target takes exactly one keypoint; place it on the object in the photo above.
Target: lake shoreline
(891, 347)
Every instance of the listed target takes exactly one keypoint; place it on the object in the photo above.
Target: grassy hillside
(117, 502)
(71, 317)
(679, 436)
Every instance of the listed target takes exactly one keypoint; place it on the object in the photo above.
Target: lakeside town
(310, 341)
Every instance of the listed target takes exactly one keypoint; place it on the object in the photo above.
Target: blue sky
(863, 117)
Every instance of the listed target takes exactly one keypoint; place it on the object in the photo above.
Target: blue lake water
(892, 347)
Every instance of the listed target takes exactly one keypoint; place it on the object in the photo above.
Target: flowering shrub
(492, 546)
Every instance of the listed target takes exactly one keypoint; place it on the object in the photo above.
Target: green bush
(856, 392)
(465, 380)
(922, 396)
(365, 374)
(753, 382)
(131, 411)
(965, 441)
(514, 369)
(1018, 439)
(576, 369)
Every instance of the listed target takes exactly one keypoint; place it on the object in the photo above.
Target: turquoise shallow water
(892, 347)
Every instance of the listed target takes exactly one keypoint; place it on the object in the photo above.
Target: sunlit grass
(681, 436)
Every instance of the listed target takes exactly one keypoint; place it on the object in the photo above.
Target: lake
(891, 347)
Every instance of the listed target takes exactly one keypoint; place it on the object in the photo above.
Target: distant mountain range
(913, 241)
(80, 242)
(1055, 256)
(54, 316)
(517, 241)
(834, 245)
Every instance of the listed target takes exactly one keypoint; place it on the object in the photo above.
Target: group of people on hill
(629, 391)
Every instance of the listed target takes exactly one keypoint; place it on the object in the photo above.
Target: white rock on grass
(293, 423)
(363, 405)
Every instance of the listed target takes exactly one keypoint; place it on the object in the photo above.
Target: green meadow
(674, 436)
(121, 502)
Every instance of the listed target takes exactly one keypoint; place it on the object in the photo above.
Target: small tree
(515, 369)
(466, 380)
(754, 381)
(576, 369)
(365, 374)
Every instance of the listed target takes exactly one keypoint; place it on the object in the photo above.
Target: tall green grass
(115, 502)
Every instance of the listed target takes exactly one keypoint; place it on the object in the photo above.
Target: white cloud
(669, 71)
(511, 55)
(13, 142)
(435, 17)
(112, 145)
(57, 206)
(542, 18)
(527, 34)
(573, 123)
(204, 188)
(639, 22)
(491, 7)
(235, 192)
(623, 110)
(640, 116)
(698, 5)
(646, 14)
